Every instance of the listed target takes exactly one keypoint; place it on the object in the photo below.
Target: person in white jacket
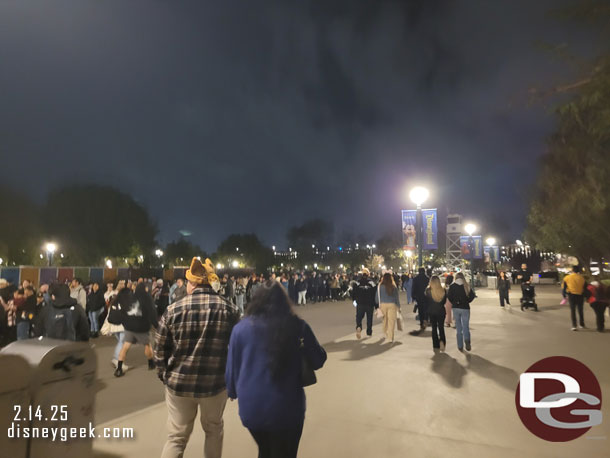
(78, 292)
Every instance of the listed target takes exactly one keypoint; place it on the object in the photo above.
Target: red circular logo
(559, 399)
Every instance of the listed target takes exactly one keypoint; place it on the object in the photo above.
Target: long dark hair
(388, 282)
(271, 304)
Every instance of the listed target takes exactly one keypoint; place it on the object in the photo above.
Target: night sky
(252, 115)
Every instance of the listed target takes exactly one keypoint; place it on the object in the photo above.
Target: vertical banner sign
(430, 230)
(477, 247)
(409, 229)
(490, 251)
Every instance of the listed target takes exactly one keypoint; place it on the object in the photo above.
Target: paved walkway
(378, 400)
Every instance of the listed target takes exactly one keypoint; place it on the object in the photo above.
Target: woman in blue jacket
(264, 370)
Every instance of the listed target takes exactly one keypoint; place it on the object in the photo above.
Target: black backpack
(62, 324)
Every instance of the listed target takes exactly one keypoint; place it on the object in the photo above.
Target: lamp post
(491, 242)
(470, 228)
(50, 248)
(418, 196)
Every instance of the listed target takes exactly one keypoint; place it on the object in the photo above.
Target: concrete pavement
(377, 399)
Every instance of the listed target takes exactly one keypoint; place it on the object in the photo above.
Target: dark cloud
(249, 115)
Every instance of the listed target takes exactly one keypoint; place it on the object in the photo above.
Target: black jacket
(62, 303)
(418, 288)
(503, 285)
(458, 298)
(364, 291)
(95, 301)
(435, 308)
(137, 309)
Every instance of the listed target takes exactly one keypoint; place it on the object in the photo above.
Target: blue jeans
(120, 337)
(23, 330)
(95, 321)
(462, 326)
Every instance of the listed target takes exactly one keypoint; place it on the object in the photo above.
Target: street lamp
(418, 196)
(50, 247)
(470, 228)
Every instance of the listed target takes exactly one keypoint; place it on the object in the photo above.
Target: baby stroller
(528, 297)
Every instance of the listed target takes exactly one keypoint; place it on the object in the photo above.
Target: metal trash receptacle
(63, 394)
(14, 403)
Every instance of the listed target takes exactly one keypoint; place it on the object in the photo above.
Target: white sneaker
(358, 333)
(574, 329)
(581, 327)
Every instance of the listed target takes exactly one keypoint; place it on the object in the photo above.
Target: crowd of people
(238, 336)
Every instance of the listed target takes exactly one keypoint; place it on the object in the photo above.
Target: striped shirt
(191, 343)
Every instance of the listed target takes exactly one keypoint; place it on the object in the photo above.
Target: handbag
(308, 375)
(105, 331)
(399, 320)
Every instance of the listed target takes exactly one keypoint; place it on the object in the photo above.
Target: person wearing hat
(363, 294)
(191, 346)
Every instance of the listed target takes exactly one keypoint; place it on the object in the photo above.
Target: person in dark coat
(95, 305)
(264, 370)
(436, 296)
(139, 316)
(503, 287)
(63, 319)
(363, 294)
(418, 292)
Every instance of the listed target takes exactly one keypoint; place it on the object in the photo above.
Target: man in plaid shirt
(191, 354)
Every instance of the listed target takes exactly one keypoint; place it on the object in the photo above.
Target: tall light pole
(50, 248)
(491, 242)
(418, 196)
(470, 228)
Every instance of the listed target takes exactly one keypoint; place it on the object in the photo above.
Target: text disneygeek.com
(63, 434)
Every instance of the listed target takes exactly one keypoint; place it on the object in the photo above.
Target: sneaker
(119, 372)
(467, 343)
(442, 346)
(574, 328)
(582, 327)
(358, 333)
(114, 362)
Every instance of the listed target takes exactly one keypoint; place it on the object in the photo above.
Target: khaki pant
(181, 414)
(389, 319)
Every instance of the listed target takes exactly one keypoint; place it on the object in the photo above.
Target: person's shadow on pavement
(504, 376)
(361, 349)
(447, 367)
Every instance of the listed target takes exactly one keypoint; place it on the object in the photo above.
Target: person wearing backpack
(461, 295)
(63, 319)
(599, 300)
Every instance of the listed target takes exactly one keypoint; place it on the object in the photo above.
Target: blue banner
(430, 229)
(492, 253)
(409, 230)
(476, 248)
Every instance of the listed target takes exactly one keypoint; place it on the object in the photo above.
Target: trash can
(14, 403)
(63, 395)
(492, 282)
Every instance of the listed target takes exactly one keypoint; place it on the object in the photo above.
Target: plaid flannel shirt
(192, 341)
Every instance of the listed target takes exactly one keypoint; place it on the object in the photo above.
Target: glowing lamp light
(408, 253)
(109, 264)
(315, 266)
(519, 243)
(235, 264)
(159, 253)
(41, 256)
(419, 195)
(470, 228)
(219, 266)
(50, 247)
(1, 261)
(491, 241)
